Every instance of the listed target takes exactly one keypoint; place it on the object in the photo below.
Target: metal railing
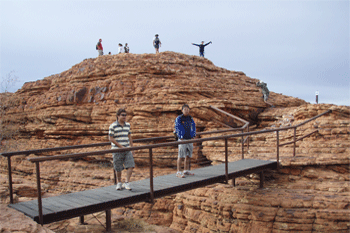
(37, 160)
(142, 140)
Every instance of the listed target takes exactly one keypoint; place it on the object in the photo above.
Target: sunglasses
(123, 114)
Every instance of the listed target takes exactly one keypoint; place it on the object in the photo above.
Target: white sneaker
(119, 186)
(180, 175)
(126, 185)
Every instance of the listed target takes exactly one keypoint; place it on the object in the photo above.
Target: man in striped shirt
(120, 137)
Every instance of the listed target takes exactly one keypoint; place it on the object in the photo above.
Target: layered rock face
(82, 101)
(309, 193)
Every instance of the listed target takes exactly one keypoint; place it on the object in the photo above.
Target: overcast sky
(296, 47)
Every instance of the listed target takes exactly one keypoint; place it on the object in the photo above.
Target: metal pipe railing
(39, 151)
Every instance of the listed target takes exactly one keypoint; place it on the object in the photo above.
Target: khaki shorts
(185, 150)
(123, 160)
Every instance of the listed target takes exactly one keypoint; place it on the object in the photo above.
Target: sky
(296, 47)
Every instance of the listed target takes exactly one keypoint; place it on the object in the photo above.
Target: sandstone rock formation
(309, 193)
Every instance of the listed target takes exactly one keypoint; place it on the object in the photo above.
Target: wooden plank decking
(91, 201)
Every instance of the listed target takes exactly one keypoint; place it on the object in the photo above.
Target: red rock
(309, 193)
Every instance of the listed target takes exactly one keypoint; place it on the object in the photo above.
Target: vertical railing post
(108, 220)
(278, 147)
(10, 178)
(151, 175)
(81, 219)
(248, 138)
(242, 138)
(226, 161)
(261, 179)
(40, 206)
(294, 139)
(115, 175)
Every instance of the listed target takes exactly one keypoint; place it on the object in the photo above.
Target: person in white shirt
(120, 49)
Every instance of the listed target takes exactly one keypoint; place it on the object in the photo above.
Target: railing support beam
(261, 179)
(226, 161)
(108, 220)
(278, 146)
(242, 138)
(40, 205)
(10, 178)
(81, 220)
(151, 176)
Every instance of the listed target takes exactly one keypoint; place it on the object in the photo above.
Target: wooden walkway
(106, 198)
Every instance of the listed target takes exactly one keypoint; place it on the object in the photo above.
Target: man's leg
(119, 177)
(187, 163)
(179, 161)
(189, 151)
(128, 174)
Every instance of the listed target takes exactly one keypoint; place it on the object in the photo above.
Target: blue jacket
(185, 127)
(201, 46)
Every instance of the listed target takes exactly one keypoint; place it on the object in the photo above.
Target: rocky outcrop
(82, 101)
(309, 193)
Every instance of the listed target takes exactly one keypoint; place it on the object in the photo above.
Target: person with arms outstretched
(201, 47)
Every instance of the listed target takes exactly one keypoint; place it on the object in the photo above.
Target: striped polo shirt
(120, 133)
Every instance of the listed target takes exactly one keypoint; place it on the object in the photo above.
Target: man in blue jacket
(201, 47)
(185, 129)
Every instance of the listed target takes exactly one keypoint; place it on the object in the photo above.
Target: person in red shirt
(99, 47)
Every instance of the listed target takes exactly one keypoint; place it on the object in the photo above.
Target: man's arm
(207, 43)
(177, 127)
(194, 128)
(195, 44)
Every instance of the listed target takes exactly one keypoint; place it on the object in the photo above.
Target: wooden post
(40, 205)
(261, 179)
(248, 138)
(233, 182)
(115, 176)
(81, 220)
(242, 138)
(151, 175)
(108, 220)
(278, 147)
(226, 161)
(10, 178)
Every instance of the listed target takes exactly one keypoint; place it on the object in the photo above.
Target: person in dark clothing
(157, 43)
(201, 47)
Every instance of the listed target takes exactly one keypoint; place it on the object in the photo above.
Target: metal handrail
(245, 126)
(38, 151)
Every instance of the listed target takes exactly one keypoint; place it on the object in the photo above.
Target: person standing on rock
(185, 129)
(201, 47)
(99, 47)
(120, 137)
(157, 43)
(120, 48)
(126, 48)
(265, 91)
